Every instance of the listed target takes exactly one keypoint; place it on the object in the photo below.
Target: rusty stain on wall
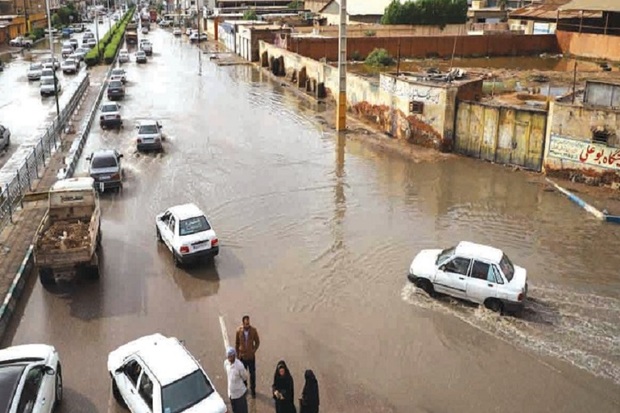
(502, 134)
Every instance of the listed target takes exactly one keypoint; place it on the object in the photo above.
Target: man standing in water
(237, 376)
(246, 345)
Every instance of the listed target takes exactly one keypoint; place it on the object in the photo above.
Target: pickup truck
(131, 34)
(21, 41)
(69, 236)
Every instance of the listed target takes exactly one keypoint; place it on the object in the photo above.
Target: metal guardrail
(33, 166)
(76, 149)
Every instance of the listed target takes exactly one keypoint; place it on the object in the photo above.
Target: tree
(295, 5)
(379, 58)
(426, 12)
(250, 14)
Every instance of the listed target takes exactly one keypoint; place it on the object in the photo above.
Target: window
(444, 255)
(507, 268)
(193, 226)
(147, 130)
(458, 266)
(104, 162)
(34, 377)
(171, 223)
(416, 107)
(480, 270)
(146, 390)
(186, 392)
(497, 275)
(133, 370)
(601, 134)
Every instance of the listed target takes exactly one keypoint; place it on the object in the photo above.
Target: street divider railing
(14, 183)
(75, 152)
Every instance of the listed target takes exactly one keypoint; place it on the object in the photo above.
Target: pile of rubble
(65, 235)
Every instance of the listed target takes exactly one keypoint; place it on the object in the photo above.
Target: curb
(600, 215)
(15, 291)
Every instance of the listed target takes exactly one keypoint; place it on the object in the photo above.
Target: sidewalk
(16, 238)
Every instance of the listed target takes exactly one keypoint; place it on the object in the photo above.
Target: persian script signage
(587, 153)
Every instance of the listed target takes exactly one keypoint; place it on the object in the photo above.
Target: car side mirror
(49, 370)
(119, 370)
(442, 267)
(137, 126)
(120, 155)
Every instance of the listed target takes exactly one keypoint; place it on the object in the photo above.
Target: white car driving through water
(472, 272)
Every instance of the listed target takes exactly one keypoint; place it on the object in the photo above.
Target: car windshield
(36, 66)
(115, 84)
(444, 255)
(105, 161)
(147, 129)
(108, 108)
(193, 226)
(118, 72)
(69, 62)
(185, 393)
(507, 268)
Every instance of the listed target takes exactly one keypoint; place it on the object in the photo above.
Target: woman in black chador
(283, 389)
(309, 402)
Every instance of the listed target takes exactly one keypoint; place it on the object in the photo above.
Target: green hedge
(110, 42)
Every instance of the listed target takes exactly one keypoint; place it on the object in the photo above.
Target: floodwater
(317, 234)
(22, 109)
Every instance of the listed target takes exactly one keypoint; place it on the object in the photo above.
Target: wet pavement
(22, 109)
(317, 234)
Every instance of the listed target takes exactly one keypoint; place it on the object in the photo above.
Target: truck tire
(93, 268)
(46, 276)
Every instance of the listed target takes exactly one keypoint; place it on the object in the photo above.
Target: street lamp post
(96, 21)
(51, 40)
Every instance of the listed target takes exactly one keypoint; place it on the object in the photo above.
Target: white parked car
(5, 137)
(110, 115)
(30, 378)
(34, 71)
(188, 31)
(21, 41)
(177, 31)
(187, 233)
(158, 374)
(66, 51)
(69, 66)
(123, 56)
(51, 63)
(473, 272)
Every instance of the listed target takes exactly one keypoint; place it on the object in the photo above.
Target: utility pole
(51, 40)
(199, 16)
(341, 110)
(96, 21)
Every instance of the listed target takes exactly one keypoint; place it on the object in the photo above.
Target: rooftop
(186, 211)
(455, 77)
(550, 11)
(167, 359)
(593, 5)
(472, 250)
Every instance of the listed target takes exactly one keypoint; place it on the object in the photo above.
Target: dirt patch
(65, 235)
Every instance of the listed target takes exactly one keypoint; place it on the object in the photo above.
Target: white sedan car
(30, 379)
(123, 56)
(187, 233)
(473, 272)
(157, 374)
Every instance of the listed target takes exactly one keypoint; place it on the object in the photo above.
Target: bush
(250, 15)
(110, 42)
(378, 58)
(356, 56)
(37, 34)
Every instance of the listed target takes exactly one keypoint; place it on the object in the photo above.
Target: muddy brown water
(317, 234)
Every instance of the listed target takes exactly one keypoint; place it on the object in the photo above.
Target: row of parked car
(150, 374)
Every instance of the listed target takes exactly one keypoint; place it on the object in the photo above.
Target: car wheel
(117, 394)
(175, 260)
(494, 305)
(427, 286)
(159, 238)
(58, 399)
(46, 276)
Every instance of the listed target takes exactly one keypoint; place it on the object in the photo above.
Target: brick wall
(596, 46)
(420, 47)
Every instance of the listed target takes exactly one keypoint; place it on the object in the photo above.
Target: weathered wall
(384, 102)
(425, 46)
(596, 46)
(570, 149)
(602, 94)
(315, 5)
(506, 135)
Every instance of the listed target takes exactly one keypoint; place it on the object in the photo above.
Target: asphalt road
(316, 238)
(22, 109)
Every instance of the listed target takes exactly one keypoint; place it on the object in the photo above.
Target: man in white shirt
(237, 376)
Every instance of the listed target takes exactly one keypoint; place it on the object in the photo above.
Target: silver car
(105, 168)
(5, 137)
(34, 72)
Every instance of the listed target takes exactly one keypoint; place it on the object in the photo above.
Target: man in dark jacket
(246, 344)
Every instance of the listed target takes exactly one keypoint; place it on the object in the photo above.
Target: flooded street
(22, 108)
(317, 234)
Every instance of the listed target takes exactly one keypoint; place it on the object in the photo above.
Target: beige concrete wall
(570, 148)
(379, 30)
(597, 46)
